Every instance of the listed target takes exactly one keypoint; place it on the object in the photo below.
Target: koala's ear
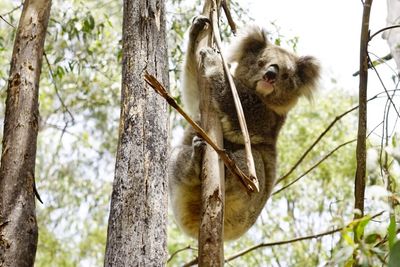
(308, 71)
(252, 40)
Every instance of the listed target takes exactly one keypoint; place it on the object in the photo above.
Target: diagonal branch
(279, 243)
(225, 157)
(319, 138)
(313, 167)
(239, 109)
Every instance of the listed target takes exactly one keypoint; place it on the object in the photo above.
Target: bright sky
(330, 31)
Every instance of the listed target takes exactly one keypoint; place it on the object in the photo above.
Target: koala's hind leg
(190, 90)
(185, 185)
(185, 163)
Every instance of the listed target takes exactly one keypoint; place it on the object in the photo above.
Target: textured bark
(137, 222)
(360, 177)
(211, 239)
(18, 227)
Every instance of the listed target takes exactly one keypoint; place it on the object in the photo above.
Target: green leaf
(394, 255)
(392, 231)
(360, 227)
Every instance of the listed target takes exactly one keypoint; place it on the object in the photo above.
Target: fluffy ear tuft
(308, 70)
(251, 40)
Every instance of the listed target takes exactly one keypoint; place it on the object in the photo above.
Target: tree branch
(359, 183)
(279, 243)
(313, 167)
(239, 109)
(225, 157)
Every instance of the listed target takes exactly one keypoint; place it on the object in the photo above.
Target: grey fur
(265, 103)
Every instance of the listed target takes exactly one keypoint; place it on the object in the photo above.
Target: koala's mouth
(271, 74)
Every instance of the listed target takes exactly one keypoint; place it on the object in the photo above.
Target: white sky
(330, 31)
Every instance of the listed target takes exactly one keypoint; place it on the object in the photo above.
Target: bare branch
(229, 162)
(1, 17)
(384, 87)
(228, 14)
(359, 183)
(313, 167)
(239, 109)
(58, 92)
(375, 63)
(382, 30)
(188, 247)
(319, 138)
(338, 118)
(279, 243)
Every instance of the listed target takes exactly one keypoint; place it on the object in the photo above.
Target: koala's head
(277, 75)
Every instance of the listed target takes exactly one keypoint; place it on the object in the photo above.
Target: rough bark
(137, 222)
(393, 35)
(211, 239)
(18, 227)
(360, 176)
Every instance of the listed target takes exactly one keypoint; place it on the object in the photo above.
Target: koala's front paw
(198, 147)
(199, 24)
(209, 57)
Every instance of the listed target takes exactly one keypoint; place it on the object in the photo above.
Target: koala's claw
(199, 23)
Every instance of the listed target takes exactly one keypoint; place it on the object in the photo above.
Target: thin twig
(229, 162)
(57, 91)
(382, 30)
(337, 118)
(384, 87)
(1, 17)
(239, 109)
(12, 10)
(314, 166)
(188, 247)
(228, 14)
(278, 243)
(375, 63)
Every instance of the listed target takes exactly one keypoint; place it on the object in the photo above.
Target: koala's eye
(261, 63)
(285, 76)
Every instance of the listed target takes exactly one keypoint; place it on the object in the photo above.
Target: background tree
(137, 223)
(18, 226)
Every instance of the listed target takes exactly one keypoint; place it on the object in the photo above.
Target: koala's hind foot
(185, 162)
(210, 57)
(198, 145)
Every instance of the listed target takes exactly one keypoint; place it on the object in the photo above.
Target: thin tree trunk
(137, 223)
(18, 227)
(359, 188)
(211, 238)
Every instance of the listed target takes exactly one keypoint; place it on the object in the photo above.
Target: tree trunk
(211, 238)
(18, 227)
(393, 35)
(361, 155)
(137, 223)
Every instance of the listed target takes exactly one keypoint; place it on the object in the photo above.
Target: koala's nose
(272, 73)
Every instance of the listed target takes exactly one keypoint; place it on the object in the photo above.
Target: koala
(269, 80)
